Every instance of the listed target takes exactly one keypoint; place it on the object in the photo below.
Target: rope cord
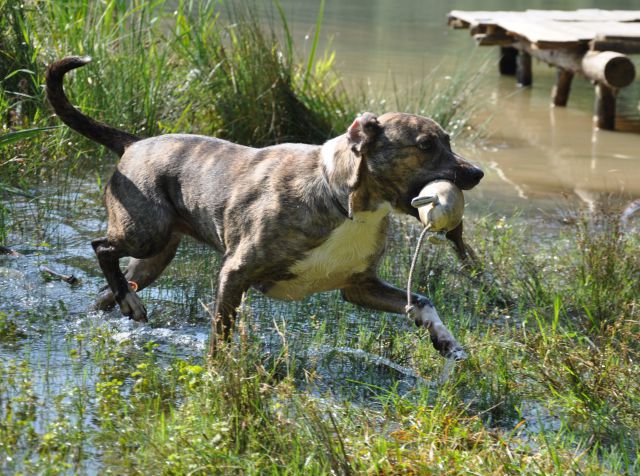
(414, 261)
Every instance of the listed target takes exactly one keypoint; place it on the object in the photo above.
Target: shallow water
(51, 315)
(50, 312)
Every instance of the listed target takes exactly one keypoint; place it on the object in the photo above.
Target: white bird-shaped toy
(440, 205)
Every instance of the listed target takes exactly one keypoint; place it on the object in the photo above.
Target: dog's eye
(426, 144)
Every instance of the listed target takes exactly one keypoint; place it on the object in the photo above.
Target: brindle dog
(291, 219)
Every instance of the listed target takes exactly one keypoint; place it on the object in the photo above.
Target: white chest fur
(347, 251)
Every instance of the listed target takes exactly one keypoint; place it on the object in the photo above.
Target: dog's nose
(470, 177)
(477, 174)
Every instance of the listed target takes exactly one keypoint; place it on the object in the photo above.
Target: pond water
(535, 153)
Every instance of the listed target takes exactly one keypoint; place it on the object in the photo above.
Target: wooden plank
(612, 30)
(582, 31)
(484, 39)
(579, 32)
(584, 15)
(472, 18)
(549, 29)
(591, 14)
(458, 24)
(541, 31)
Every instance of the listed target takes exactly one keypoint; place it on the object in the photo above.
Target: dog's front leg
(231, 286)
(472, 265)
(463, 250)
(377, 294)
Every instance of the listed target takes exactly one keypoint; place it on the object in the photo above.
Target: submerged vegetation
(552, 325)
(552, 386)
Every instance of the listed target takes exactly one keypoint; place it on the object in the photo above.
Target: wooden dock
(591, 43)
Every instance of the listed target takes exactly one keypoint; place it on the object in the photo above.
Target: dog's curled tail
(113, 138)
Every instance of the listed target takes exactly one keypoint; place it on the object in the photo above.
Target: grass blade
(314, 46)
(15, 136)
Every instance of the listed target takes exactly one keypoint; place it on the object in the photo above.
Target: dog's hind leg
(142, 271)
(108, 257)
(374, 293)
(140, 225)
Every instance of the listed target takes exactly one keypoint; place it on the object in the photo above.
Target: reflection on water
(534, 151)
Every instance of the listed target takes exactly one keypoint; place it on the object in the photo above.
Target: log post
(560, 91)
(609, 70)
(523, 68)
(608, 67)
(605, 108)
(507, 64)
(613, 69)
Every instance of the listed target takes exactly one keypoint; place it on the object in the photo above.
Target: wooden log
(605, 108)
(613, 69)
(507, 64)
(560, 91)
(523, 68)
(608, 67)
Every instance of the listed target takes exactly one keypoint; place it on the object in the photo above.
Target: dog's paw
(449, 349)
(131, 305)
(105, 301)
(458, 354)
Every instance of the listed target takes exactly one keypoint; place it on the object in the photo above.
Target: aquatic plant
(323, 386)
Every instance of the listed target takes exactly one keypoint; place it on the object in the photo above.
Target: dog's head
(401, 153)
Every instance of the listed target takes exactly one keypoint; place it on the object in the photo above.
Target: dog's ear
(363, 132)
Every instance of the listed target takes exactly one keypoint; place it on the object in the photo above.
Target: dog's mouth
(464, 181)
(464, 178)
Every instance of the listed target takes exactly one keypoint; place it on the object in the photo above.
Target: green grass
(551, 324)
(201, 67)
(159, 67)
(543, 392)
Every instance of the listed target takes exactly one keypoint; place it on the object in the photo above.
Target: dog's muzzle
(465, 177)
(473, 177)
